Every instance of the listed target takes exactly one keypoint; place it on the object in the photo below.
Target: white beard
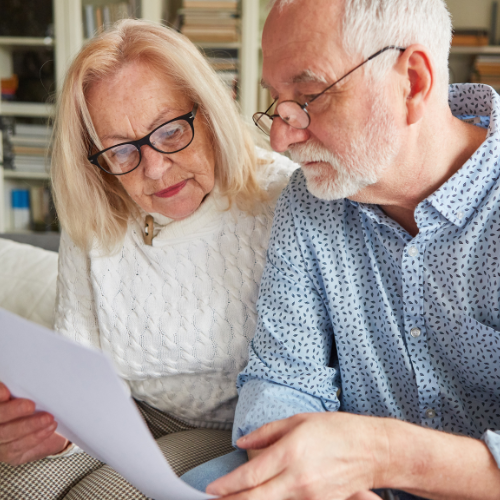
(366, 157)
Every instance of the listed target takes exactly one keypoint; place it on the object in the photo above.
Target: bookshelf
(62, 40)
(469, 15)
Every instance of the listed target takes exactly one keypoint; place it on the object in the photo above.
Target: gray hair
(370, 25)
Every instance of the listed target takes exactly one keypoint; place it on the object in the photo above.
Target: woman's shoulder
(276, 170)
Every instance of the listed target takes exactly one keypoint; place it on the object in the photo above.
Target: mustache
(312, 152)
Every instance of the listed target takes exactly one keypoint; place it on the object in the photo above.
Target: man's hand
(26, 436)
(334, 456)
(339, 456)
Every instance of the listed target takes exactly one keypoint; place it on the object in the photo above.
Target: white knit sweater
(175, 317)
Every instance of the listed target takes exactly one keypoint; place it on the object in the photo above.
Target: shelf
(32, 109)
(486, 49)
(11, 41)
(14, 174)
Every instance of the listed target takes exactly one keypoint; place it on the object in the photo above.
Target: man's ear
(417, 70)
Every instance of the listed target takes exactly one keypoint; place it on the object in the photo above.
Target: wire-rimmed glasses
(170, 137)
(296, 114)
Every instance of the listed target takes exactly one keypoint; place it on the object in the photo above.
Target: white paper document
(89, 401)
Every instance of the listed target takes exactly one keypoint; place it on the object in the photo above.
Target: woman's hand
(24, 435)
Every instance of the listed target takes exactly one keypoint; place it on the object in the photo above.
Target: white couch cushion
(28, 278)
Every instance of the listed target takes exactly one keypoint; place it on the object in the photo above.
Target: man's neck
(434, 158)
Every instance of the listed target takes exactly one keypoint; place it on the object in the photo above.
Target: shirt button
(415, 332)
(460, 215)
(430, 413)
(413, 251)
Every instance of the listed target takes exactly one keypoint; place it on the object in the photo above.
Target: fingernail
(45, 420)
(211, 491)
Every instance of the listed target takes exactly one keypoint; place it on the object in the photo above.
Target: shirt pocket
(474, 354)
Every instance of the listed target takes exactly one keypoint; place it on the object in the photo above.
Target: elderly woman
(166, 208)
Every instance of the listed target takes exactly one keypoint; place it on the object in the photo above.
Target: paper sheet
(88, 400)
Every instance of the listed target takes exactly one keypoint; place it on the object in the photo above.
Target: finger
(268, 464)
(51, 445)
(364, 495)
(4, 393)
(16, 408)
(21, 450)
(18, 429)
(268, 434)
(275, 489)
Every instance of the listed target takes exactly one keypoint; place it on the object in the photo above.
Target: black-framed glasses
(296, 114)
(170, 137)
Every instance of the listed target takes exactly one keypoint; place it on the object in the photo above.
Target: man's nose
(154, 163)
(283, 136)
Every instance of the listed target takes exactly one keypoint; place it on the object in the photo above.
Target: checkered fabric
(183, 450)
(81, 477)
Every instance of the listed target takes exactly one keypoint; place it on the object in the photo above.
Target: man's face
(353, 136)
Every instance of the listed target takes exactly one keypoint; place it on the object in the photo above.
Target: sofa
(28, 276)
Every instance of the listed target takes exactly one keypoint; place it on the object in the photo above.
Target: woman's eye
(168, 133)
(120, 153)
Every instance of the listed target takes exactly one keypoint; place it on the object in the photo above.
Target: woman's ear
(416, 68)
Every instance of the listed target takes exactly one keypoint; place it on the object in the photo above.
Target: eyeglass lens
(169, 138)
(293, 114)
(289, 111)
(264, 122)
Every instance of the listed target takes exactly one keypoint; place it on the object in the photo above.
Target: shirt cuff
(492, 441)
(71, 449)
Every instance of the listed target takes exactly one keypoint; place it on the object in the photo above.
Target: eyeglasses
(170, 137)
(296, 114)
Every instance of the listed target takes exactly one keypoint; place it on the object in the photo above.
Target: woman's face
(131, 105)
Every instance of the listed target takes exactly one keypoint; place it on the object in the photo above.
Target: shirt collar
(459, 197)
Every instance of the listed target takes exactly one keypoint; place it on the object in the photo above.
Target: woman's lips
(172, 190)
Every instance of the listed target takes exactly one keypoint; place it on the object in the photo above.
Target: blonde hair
(92, 206)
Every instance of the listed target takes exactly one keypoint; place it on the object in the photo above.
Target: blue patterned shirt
(357, 315)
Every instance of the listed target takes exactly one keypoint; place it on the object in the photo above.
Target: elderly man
(375, 365)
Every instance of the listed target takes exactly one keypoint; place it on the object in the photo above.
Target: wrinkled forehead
(300, 41)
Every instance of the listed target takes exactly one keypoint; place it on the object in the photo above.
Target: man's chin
(331, 189)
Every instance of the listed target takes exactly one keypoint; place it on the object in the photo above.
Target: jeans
(200, 477)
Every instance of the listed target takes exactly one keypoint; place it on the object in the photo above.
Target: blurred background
(38, 38)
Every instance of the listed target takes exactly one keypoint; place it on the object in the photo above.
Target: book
(223, 64)
(207, 34)
(89, 21)
(487, 63)
(211, 4)
(31, 129)
(29, 150)
(98, 20)
(40, 208)
(494, 21)
(29, 140)
(472, 37)
(99, 17)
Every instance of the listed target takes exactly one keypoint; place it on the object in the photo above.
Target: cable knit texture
(175, 317)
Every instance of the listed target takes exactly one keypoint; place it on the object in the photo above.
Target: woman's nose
(283, 136)
(154, 163)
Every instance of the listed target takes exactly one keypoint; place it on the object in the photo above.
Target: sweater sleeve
(75, 316)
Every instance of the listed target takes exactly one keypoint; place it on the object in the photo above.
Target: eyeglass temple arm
(373, 56)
